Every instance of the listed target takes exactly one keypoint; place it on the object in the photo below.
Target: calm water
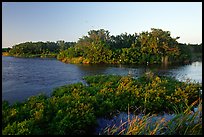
(24, 77)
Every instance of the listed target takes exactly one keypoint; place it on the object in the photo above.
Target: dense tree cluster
(5, 49)
(152, 47)
(37, 49)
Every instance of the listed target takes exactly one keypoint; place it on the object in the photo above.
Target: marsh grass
(186, 122)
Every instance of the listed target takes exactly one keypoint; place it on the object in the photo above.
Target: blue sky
(68, 21)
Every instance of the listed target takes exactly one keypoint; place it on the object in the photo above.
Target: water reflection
(90, 69)
(23, 77)
(181, 72)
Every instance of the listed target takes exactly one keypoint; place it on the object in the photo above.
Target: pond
(24, 77)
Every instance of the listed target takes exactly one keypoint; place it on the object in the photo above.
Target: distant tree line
(41, 49)
(154, 47)
(5, 49)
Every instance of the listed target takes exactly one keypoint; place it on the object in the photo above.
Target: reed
(184, 122)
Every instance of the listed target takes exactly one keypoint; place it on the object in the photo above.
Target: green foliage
(72, 114)
(102, 80)
(154, 47)
(19, 128)
(190, 52)
(73, 109)
(39, 49)
(5, 49)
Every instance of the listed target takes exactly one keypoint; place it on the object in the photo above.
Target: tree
(123, 41)
(167, 46)
(158, 43)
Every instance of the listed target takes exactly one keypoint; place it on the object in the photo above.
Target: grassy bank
(73, 109)
(5, 53)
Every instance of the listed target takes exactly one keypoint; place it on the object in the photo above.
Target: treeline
(154, 47)
(39, 49)
(197, 52)
(5, 49)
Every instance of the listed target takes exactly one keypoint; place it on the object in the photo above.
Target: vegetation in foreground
(73, 109)
(185, 122)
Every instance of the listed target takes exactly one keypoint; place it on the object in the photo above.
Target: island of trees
(154, 47)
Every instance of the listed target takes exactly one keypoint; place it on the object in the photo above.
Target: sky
(69, 21)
